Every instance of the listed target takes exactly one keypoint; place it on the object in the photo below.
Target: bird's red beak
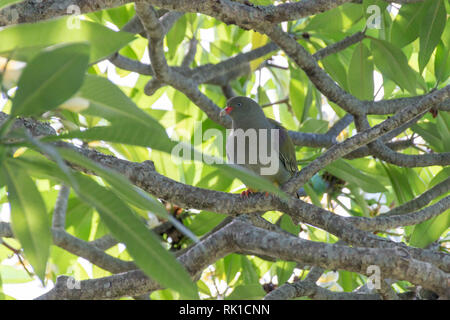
(227, 110)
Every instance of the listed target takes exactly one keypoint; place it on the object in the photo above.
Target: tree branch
(59, 213)
(237, 236)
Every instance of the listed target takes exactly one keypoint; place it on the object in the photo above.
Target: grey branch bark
(59, 212)
(237, 236)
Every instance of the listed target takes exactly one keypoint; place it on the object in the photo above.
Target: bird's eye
(239, 104)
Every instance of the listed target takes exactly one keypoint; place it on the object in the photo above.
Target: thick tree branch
(237, 236)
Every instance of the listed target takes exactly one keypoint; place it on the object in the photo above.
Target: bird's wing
(286, 148)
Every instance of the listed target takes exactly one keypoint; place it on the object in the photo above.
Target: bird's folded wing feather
(286, 148)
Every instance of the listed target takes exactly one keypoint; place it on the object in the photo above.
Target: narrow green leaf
(232, 264)
(334, 66)
(399, 180)
(287, 224)
(429, 231)
(297, 95)
(247, 292)
(127, 132)
(442, 62)
(360, 73)
(205, 221)
(249, 273)
(50, 78)
(392, 62)
(345, 171)
(431, 28)
(29, 220)
(443, 126)
(284, 270)
(176, 35)
(109, 102)
(405, 28)
(430, 133)
(26, 40)
(340, 18)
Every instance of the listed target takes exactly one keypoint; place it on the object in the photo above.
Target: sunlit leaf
(50, 78)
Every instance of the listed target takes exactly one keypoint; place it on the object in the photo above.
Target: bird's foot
(247, 193)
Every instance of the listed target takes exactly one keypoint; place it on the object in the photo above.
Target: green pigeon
(262, 145)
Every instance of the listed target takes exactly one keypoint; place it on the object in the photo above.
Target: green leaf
(50, 78)
(204, 222)
(120, 15)
(347, 280)
(431, 28)
(249, 273)
(176, 35)
(6, 3)
(442, 62)
(340, 18)
(231, 264)
(400, 183)
(29, 220)
(345, 171)
(405, 28)
(284, 270)
(297, 93)
(430, 231)
(362, 203)
(126, 132)
(392, 62)
(287, 224)
(430, 133)
(443, 126)
(26, 40)
(203, 288)
(247, 292)
(360, 73)
(111, 103)
(334, 66)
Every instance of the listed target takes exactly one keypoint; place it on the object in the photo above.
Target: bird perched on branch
(259, 144)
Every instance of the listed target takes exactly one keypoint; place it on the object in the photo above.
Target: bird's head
(241, 107)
